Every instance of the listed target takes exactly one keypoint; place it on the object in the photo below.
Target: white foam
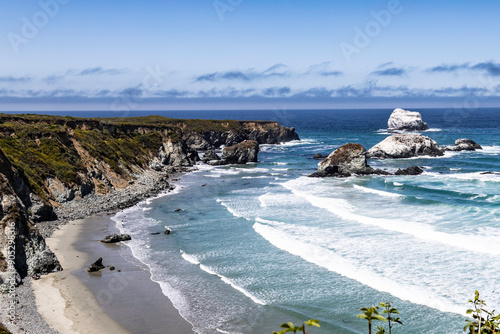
(255, 177)
(190, 258)
(476, 176)
(491, 150)
(233, 285)
(433, 130)
(328, 259)
(231, 210)
(344, 210)
(378, 192)
(397, 184)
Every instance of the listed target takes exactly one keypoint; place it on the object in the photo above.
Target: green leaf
(287, 325)
(312, 322)
(379, 317)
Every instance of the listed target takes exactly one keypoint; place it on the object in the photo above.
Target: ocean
(257, 245)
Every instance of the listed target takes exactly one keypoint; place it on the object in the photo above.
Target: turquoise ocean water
(260, 244)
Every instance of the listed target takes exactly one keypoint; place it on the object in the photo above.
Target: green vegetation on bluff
(41, 146)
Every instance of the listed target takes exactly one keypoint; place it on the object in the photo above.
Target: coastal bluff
(56, 168)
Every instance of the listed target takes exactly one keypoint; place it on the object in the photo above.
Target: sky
(248, 54)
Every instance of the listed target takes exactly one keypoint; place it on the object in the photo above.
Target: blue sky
(244, 54)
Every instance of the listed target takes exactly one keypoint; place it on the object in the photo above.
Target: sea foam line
(329, 260)
(344, 210)
(377, 192)
(233, 285)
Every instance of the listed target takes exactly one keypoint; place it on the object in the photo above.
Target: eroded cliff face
(47, 161)
(22, 249)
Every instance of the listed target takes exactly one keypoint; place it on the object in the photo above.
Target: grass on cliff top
(41, 146)
(42, 149)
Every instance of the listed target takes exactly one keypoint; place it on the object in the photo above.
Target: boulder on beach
(96, 266)
(241, 153)
(413, 170)
(463, 144)
(405, 145)
(113, 238)
(405, 120)
(346, 160)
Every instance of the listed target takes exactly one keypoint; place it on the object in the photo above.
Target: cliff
(49, 162)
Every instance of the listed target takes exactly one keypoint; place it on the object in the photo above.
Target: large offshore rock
(241, 153)
(405, 120)
(405, 145)
(346, 160)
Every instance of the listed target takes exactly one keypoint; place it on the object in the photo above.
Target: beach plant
(370, 314)
(391, 320)
(290, 327)
(483, 321)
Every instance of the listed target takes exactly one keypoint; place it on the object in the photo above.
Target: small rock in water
(167, 231)
(319, 156)
(178, 210)
(113, 238)
(413, 170)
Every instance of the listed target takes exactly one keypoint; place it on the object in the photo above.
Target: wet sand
(124, 300)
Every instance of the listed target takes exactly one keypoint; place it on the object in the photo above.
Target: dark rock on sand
(405, 145)
(413, 170)
(113, 238)
(346, 160)
(96, 266)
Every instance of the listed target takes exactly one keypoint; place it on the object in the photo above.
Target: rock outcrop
(405, 146)
(174, 153)
(345, 161)
(210, 155)
(413, 170)
(405, 120)
(114, 238)
(241, 153)
(27, 249)
(463, 145)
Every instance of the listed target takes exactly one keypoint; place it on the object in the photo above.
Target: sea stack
(346, 160)
(405, 145)
(405, 120)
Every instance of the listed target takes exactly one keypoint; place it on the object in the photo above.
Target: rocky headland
(54, 169)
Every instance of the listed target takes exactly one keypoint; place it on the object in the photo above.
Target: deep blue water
(257, 245)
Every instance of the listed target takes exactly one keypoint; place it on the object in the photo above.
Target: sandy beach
(124, 300)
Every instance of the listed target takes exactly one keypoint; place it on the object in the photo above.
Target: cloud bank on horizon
(242, 54)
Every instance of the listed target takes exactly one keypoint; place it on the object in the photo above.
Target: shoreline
(125, 301)
(62, 299)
